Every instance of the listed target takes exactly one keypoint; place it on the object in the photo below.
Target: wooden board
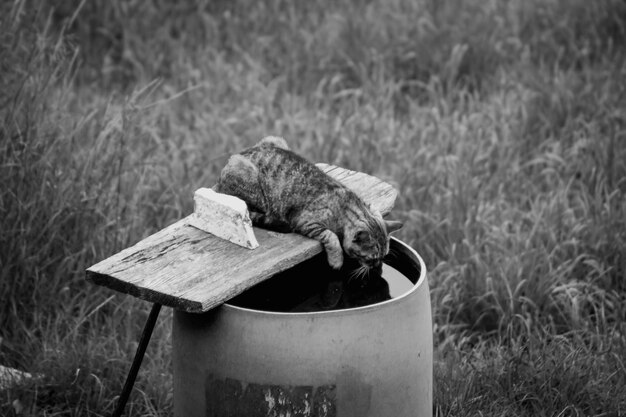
(190, 270)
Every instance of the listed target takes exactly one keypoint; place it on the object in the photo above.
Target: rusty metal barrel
(374, 360)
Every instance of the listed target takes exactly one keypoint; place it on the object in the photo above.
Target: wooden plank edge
(143, 293)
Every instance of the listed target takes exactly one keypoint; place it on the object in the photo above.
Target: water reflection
(314, 286)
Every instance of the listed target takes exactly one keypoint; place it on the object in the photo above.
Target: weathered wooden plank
(379, 194)
(188, 269)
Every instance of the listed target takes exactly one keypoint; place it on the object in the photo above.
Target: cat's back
(284, 171)
(271, 158)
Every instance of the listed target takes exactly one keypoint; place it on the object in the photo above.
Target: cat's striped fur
(286, 192)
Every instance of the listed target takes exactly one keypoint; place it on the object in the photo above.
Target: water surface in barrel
(314, 286)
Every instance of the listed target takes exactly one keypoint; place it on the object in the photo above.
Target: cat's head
(367, 239)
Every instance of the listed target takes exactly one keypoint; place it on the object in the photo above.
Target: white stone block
(224, 216)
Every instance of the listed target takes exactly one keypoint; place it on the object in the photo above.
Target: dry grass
(502, 124)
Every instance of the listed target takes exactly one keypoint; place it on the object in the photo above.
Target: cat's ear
(361, 236)
(393, 225)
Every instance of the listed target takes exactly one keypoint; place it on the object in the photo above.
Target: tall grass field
(502, 123)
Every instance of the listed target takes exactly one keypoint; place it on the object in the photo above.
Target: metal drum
(374, 360)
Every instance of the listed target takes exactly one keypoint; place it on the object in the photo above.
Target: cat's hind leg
(240, 178)
(238, 170)
(268, 222)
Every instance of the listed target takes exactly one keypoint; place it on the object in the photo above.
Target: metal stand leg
(134, 369)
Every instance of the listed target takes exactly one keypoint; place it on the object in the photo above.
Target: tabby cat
(285, 192)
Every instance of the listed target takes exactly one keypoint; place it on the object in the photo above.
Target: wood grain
(190, 270)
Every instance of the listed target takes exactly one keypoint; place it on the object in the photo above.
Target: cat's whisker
(363, 272)
(358, 272)
(393, 253)
(354, 274)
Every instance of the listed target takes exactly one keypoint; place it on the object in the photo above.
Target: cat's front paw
(330, 242)
(335, 259)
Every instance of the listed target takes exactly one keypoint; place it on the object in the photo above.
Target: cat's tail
(274, 141)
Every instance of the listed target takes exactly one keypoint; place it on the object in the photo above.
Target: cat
(287, 193)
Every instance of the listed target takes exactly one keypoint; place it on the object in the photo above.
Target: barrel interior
(313, 286)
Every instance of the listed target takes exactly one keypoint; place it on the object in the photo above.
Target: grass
(501, 123)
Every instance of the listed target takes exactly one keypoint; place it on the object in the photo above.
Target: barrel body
(373, 361)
